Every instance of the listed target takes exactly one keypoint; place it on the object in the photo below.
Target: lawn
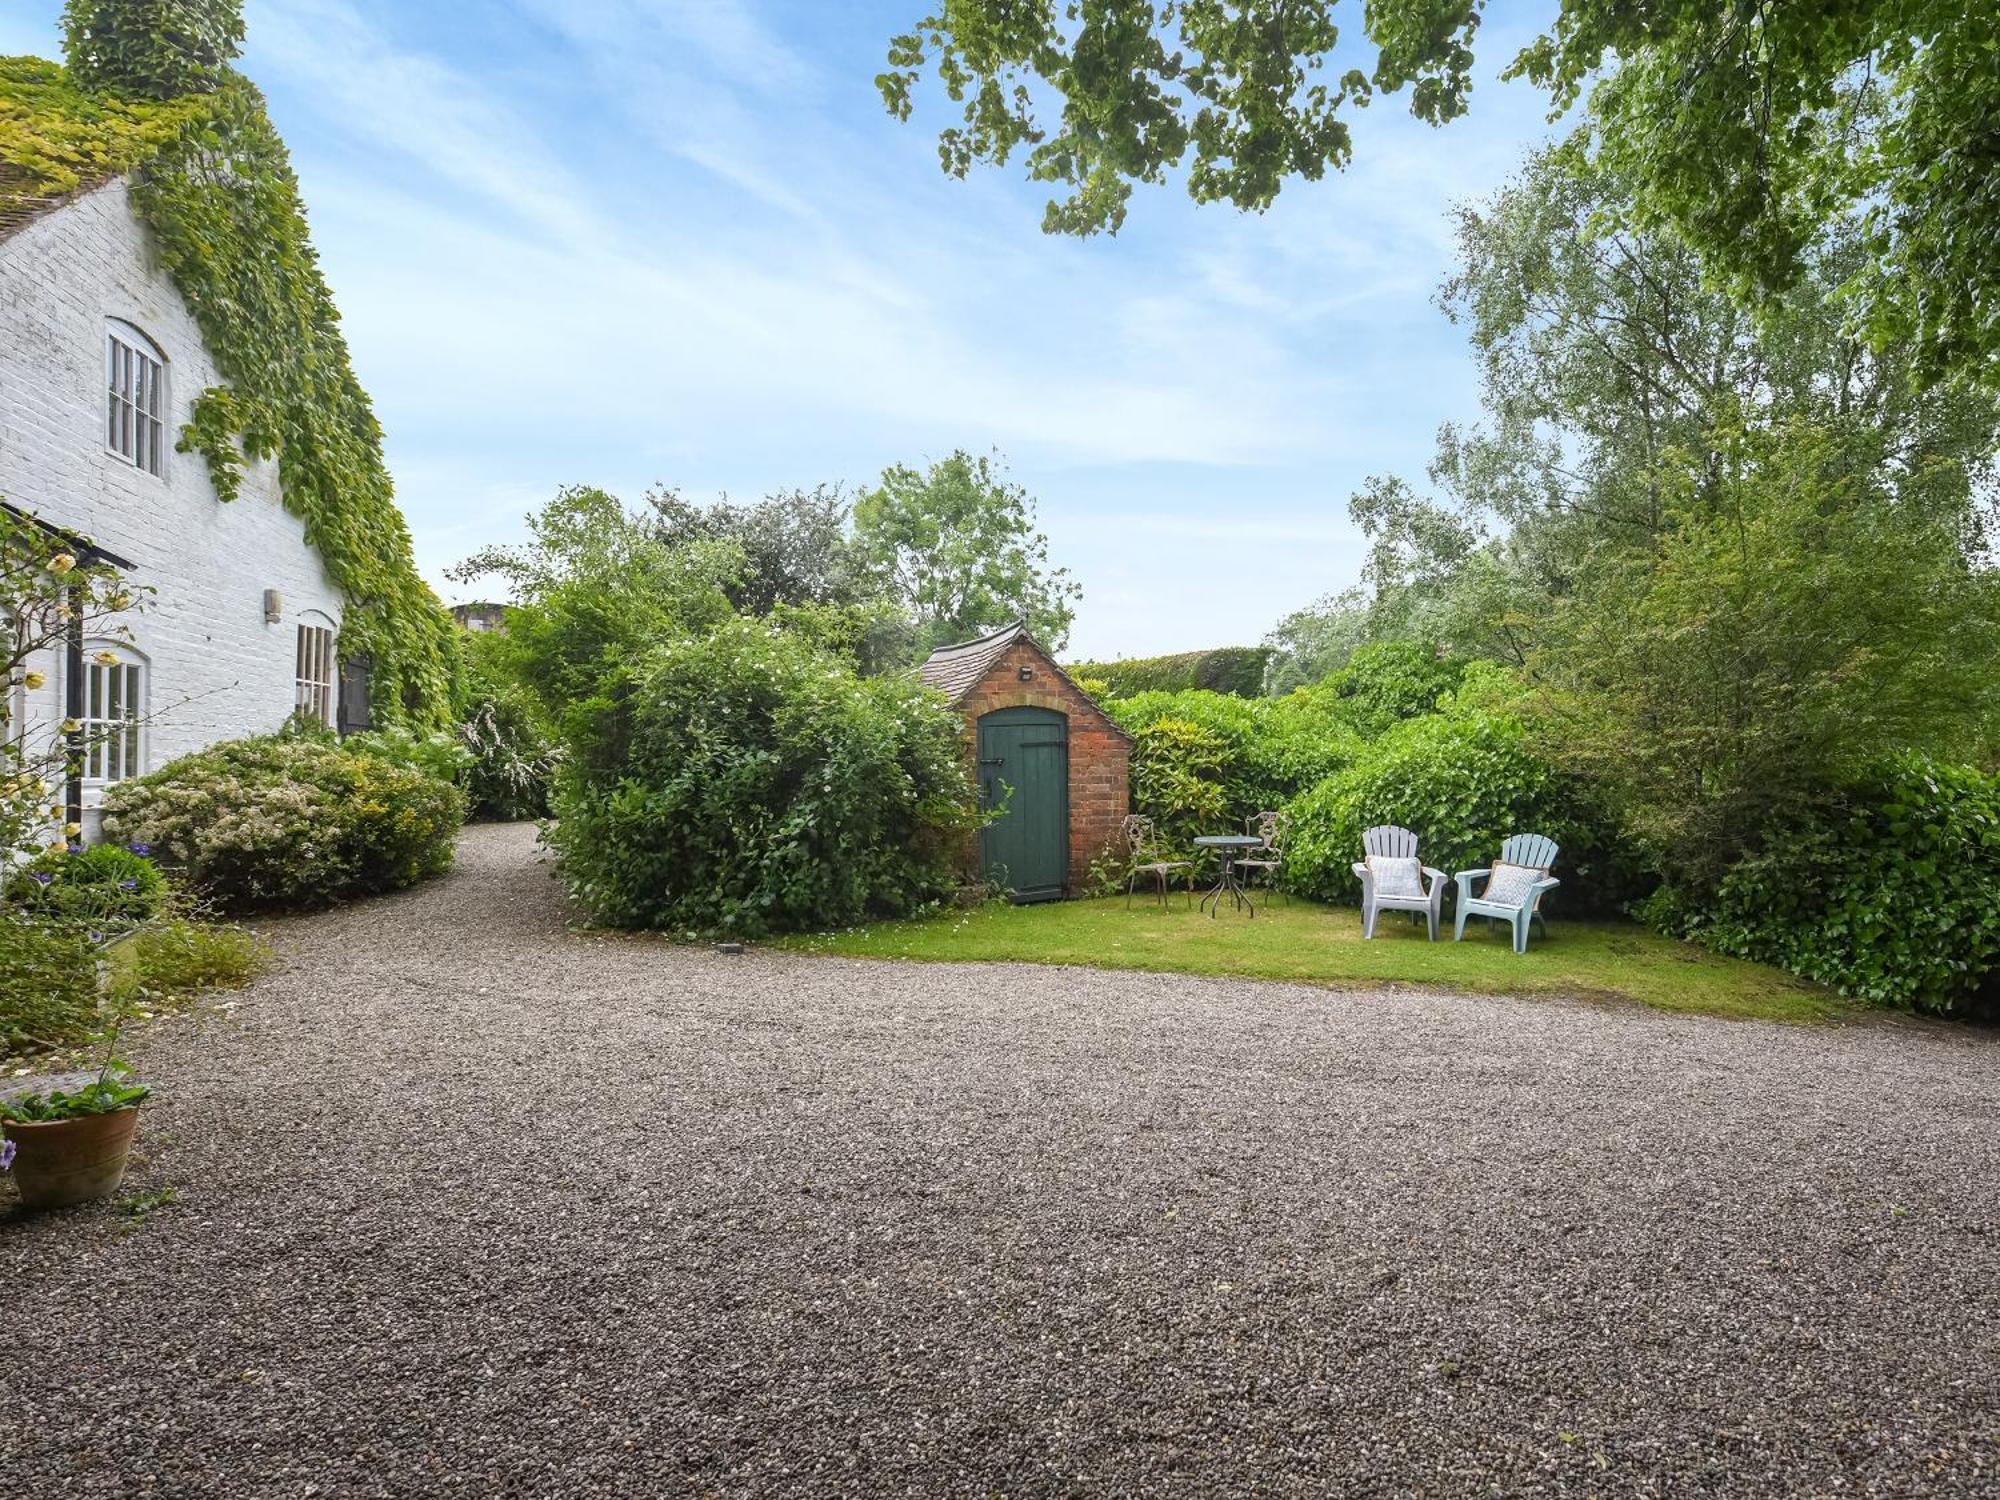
(1316, 944)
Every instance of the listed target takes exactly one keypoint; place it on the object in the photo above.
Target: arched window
(317, 675)
(114, 713)
(136, 404)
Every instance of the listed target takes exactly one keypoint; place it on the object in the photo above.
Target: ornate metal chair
(1149, 859)
(1270, 856)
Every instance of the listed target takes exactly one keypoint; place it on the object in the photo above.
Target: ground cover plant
(1308, 943)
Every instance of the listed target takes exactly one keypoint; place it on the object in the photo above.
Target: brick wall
(217, 670)
(1099, 753)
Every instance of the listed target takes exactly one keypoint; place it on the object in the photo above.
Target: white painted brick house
(100, 363)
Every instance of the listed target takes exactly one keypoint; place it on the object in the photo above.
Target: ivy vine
(214, 182)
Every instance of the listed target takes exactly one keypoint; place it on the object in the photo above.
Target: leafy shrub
(1883, 890)
(437, 755)
(1177, 780)
(281, 822)
(1386, 682)
(1235, 670)
(1269, 749)
(756, 784)
(1462, 784)
(511, 760)
(104, 884)
(48, 983)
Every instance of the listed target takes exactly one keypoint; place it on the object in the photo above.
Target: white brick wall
(217, 669)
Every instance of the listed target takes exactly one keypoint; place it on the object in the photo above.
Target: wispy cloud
(621, 241)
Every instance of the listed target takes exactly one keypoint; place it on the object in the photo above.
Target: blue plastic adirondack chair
(1391, 842)
(1517, 899)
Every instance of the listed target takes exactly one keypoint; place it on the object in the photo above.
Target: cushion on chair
(1396, 875)
(1509, 885)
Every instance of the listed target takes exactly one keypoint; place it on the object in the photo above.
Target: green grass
(1323, 945)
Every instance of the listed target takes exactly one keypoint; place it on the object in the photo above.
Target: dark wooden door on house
(1024, 768)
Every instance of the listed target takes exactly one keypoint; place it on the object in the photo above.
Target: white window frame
(114, 714)
(316, 673)
(135, 413)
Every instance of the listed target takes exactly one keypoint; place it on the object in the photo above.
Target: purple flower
(76, 848)
(142, 850)
(128, 885)
(97, 937)
(41, 877)
(6, 1154)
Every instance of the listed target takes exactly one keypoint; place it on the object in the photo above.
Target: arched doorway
(1024, 769)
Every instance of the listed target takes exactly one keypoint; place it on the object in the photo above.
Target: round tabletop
(1229, 841)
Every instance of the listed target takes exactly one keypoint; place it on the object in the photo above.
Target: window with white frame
(136, 407)
(114, 705)
(318, 675)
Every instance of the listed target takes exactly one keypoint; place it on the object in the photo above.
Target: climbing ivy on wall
(213, 180)
(154, 49)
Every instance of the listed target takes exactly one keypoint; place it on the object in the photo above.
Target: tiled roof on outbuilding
(957, 670)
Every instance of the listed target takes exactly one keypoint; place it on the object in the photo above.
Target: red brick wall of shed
(1099, 756)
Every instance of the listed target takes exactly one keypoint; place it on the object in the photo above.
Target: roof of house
(957, 670)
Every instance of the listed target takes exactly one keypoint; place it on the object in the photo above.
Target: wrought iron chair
(1270, 855)
(1392, 878)
(1142, 843)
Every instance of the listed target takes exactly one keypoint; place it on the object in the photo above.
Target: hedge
(1236, 670)
(1883, 890)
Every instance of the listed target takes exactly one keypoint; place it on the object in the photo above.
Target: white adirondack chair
(1532, 856)
(1390, 842)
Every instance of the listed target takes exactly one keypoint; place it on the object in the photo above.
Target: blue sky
(634, 241)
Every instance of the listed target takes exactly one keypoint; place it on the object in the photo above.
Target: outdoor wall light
(274, 606)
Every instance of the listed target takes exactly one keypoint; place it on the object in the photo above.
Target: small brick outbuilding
(1042, 749)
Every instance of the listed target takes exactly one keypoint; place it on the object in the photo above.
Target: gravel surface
(472, 1205)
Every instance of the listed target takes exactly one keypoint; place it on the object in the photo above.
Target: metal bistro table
(1228, 845)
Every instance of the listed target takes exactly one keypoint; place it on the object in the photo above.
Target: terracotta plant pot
(60, 1162)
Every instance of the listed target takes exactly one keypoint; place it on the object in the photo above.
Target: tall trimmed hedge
(1883, 890)
(1256, 754)
(1236, 670)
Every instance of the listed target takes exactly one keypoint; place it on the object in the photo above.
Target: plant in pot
(67, 1146)
(70, 1147)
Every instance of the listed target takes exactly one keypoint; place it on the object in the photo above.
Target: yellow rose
(72, 829)
(106, 658)
(70, 726)
(34, 679)
(62, 562)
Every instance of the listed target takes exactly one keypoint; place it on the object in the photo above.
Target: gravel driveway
(472, 1205)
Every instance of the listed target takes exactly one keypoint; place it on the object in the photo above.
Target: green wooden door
(1024, 769)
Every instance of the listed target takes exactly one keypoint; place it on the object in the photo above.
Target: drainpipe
(73, 712)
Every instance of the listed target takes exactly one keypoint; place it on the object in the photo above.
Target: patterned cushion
(1396, 875)
(1509, 884)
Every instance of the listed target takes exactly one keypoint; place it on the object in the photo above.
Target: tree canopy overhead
(1740, 126)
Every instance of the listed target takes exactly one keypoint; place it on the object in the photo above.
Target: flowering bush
(106, 885)
(754, 783)
(283, 822)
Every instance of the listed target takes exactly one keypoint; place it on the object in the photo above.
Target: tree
(1786, 633)
(595, 588)
(794, 544)
(956, 546)
(151, 49)
(1615, 379)
(1741, 128)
